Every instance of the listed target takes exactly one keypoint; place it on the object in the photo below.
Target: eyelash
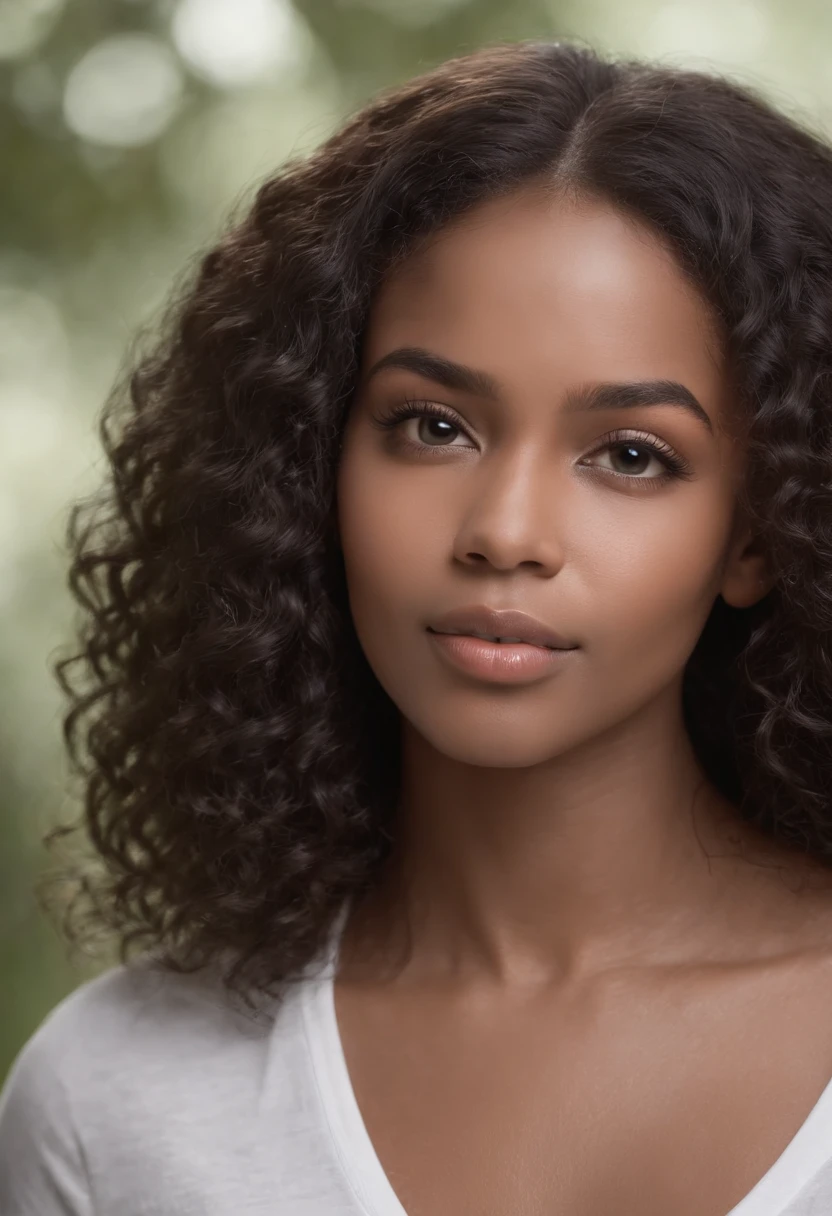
(677, 467)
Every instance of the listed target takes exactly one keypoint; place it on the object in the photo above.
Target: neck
(618, 853)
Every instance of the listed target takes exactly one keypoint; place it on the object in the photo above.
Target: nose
(512, 518)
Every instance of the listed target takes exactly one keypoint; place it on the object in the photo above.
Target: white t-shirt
(145, 1093)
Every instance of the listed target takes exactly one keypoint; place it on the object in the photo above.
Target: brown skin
(574, 894)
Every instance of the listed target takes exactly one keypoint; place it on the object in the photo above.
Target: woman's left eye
(634, 456)
(634, 450)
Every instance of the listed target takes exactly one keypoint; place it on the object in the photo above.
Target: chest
(631, 1098)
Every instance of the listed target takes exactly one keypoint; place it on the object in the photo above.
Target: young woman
(457, 718)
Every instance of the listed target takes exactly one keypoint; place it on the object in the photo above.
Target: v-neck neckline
(808, 1150)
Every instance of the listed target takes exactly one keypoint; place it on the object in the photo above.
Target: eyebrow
(607, 395)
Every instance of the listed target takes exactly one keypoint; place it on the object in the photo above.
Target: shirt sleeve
(42, 1166)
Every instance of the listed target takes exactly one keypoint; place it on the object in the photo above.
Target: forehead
(570, 289)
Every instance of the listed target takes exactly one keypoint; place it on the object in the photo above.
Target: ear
(746, 574)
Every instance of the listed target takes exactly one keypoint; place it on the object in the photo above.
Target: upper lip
(500, 623)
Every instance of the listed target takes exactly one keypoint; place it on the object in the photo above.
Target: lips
(479, 620)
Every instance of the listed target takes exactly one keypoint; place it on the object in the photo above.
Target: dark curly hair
(241, 761)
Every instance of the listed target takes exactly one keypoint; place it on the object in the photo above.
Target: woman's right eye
(433, 425)
(432, 430)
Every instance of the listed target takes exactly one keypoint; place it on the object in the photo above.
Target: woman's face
(611, 525)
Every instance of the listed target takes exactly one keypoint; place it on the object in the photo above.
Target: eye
(434, 431)
(435, 425)
(636, 451)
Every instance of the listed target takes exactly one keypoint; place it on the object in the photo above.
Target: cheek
(391, 558)
(389, 546)
(649, 584)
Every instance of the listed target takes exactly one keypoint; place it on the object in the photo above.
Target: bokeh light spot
(124, 91)
(237, 42)
(711, 29)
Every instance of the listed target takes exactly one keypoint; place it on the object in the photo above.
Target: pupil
(637, 455)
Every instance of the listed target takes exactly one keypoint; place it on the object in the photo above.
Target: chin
(501, 746)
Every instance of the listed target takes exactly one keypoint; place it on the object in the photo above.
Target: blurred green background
(129, 128)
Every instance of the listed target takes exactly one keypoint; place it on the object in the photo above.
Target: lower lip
(502, 662)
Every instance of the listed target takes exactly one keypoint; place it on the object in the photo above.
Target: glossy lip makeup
(499, 662)
(503, 645)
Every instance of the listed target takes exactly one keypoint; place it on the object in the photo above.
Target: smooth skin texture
(612, 996)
